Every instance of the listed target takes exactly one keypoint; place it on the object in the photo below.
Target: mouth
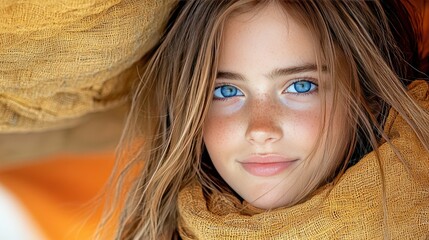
(266, 166)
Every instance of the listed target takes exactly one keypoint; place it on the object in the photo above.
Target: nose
(263, 126)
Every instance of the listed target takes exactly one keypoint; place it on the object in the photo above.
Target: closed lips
(266, 166)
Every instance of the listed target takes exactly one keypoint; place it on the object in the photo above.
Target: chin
(269, 203)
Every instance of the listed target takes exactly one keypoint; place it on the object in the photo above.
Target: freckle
(220, 128)
(258, 108)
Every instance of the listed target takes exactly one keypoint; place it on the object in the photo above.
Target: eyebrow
(275, 73)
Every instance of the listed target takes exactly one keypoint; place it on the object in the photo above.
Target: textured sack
(62, 59)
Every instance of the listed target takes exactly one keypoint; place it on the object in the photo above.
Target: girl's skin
(266, 115)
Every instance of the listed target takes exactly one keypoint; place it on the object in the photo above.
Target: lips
(266, 166)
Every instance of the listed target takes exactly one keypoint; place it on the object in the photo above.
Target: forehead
(267, 36)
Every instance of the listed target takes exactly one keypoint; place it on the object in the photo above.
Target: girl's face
(266, 115)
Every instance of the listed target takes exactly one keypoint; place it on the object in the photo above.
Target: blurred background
(50, 181)
(66, 72)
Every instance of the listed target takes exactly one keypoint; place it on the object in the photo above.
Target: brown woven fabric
(352, 209)
(62, 59)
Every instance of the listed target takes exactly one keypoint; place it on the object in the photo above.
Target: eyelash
(219, 85)
(305, 79)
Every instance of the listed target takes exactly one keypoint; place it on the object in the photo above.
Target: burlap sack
(62, 59)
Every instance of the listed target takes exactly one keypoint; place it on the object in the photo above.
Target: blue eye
(227, 91)
(302, 86)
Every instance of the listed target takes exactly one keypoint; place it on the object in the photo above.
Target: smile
(266, 166)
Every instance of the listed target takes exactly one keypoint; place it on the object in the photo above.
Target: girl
(278, 120)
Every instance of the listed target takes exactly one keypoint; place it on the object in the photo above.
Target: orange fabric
(419, 10)
(423, 7)
(425, 44)
(57, 192)
(425, 28)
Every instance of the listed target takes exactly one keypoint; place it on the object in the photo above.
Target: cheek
(334, 142)
(341, 132)
(305, 128)
(219, 131)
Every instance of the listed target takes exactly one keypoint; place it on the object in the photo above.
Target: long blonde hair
(162, 149)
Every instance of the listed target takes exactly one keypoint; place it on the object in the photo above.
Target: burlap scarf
(60, 60)
(352, 209)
